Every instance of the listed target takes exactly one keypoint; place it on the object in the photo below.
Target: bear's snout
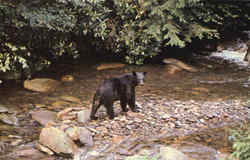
(141, 83)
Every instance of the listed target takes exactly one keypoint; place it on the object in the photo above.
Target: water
(181, 104)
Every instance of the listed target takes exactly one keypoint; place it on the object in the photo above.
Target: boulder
(83, 116)
(41, 84)
(80, 133)
(169, 153)
(58, 141)
(72, 132)
(85, 136)
(43, 117)
(109, 66)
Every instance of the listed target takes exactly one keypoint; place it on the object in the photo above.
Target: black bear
(119, 88)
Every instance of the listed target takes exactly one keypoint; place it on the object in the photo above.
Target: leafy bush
(241, 143)
(134, 30)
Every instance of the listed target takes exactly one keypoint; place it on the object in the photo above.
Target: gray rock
(169, 153)
(3, 109)
(44, 149)
(29, 153)
(197, 151)
(43, 117)
(9, 119)
(85, 136)
(83, 116)
(57, 140)
(41, 84)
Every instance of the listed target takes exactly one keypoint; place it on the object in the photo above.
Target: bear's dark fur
(119, 88)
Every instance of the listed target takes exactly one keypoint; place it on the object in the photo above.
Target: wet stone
(83, 116)
(43, 116)
(3, 109)
(70, 99)
(10, 119)
(44, 149)
(16, 142)
(57, 140)
(72, 132)
(41, 84)
(169, 153)
(197, 151)
(85, 136)
(29, 153)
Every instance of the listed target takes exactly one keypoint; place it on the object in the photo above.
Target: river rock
(67, 78)
(80, 133)
(109, 66)
(3, 109)
(72, 132)
(83, 116)
(41, 84)
(44, 149)
(9, 119)
(59, 105)
(85, 136)
(29, 153)
(172, 69)
(71, 99)
(43, 117)
(4, 147)
(16, 142)
(197, 151)
(169, 153)
(57, 140)
(63, 113)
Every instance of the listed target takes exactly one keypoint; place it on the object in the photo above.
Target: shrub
(241, 143)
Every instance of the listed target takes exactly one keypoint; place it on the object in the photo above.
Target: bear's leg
(110, 111)
(131, 102)
(93, 111)
(96, 104)
(123, 101)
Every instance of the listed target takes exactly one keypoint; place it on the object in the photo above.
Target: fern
(241, 143)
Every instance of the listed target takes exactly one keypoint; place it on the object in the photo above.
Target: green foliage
(241, 143)
(134, 30)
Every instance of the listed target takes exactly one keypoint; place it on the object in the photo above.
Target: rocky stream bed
(187, 113)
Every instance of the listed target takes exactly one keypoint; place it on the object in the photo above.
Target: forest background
(35, 34)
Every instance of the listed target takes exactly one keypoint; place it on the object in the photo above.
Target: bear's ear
(134, 73)
(144, 73)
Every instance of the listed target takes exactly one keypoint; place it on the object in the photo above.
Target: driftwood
(180, 64)
(109, 66)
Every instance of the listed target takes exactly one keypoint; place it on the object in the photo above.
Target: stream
(192, 112)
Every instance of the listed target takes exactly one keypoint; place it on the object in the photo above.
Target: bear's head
(139, 77)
